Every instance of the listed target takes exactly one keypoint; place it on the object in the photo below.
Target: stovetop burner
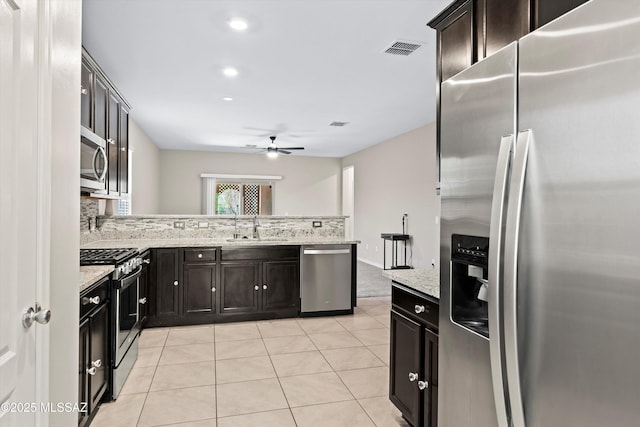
(106, 256)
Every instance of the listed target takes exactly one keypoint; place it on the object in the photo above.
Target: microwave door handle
(101, 151)
(512, 237)
(495, 286)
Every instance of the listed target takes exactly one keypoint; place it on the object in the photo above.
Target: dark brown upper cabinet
(104, 111)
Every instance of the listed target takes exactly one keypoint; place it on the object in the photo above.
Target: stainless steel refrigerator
(540, 238)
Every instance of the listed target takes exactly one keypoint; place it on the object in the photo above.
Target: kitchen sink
(266, 239)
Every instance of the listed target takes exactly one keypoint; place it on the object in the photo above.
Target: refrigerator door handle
(516, 190)
(495, 258)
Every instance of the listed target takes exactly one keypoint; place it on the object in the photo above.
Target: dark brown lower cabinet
(94, 361)
(239, 287)
(280, 287)
(199, 294)
(413, 365)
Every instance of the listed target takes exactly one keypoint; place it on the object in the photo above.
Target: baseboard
(375, 264)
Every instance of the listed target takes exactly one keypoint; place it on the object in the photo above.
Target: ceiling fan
(273, 150)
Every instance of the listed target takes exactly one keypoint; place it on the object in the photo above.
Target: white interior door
(19, 205)
(348, 197)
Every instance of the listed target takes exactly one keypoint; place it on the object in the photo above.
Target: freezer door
(578, 276)
(478, 110)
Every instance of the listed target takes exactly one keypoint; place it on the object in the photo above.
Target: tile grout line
(155, 369)
(278, 376)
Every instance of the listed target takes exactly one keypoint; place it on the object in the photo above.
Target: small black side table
(395, 238)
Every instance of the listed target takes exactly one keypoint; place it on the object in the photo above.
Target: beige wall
(310, 185)
(393, 178)
(145, 188)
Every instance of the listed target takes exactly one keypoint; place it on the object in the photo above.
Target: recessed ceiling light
(230, 72)
(238, 24)
(226, 98)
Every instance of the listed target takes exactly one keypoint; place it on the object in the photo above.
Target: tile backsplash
(209, 227)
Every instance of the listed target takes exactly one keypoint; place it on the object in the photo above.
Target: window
(242, 199)
(224, 194)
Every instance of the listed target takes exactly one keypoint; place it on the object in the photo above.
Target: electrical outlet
(433, 263)
(203, 224)
(178, 224)
(317, 224)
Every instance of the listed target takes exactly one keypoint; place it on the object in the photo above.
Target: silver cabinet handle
(423, 384)
(97, 363)
(495, 287)
(146, 261)
(36, 315)
(143, 300)
(213, 289)
(92, 370)
(199, 255)
(83, 90)
(95, 300)
(111, 141)
(256, 287)
(264, 286)
(419, 309)
(413, 376)
(175, 283)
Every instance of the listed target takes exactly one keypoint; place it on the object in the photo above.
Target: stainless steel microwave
(93, 162)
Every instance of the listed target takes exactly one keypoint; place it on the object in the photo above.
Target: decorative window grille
(251, 199)
(237, 199)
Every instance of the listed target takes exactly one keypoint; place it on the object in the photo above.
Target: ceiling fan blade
(280, 150)
(291, 148)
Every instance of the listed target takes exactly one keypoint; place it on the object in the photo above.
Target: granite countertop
(425, 280)
(144, 244)
(90, 274)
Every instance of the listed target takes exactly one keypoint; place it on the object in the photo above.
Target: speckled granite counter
(144, 244)
(422, 280)
(90, 274)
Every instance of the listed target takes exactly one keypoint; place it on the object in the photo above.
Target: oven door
(127, 319)
(93, 161)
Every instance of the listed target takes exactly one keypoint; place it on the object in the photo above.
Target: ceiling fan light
(272, 154)
(238, 24)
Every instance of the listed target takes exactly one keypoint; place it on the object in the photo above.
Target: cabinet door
(239, 287)
(548, 10)
(99, 355)
(506, 21)
(280, 285)
(406, 345)
(167, 282)
(86, 96)
(112, 144)
(100, 108)
(123, 155)
(199, 288)
(430, 369)
(83, 363)
(455, 42)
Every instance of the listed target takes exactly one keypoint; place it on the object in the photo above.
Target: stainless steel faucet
(236, 234)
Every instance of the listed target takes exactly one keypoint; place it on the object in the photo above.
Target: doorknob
(38, 314)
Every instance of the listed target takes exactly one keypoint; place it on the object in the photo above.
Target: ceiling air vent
(338, 124)
(402, 47)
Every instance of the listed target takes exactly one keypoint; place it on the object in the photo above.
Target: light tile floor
(325, 371)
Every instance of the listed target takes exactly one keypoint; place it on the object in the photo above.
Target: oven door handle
(130, 278)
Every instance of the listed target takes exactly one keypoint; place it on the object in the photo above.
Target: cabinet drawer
(96, 296)
(271, 253)
(195, 255)
(419, 307)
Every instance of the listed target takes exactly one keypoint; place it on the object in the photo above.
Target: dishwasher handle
(326, 251)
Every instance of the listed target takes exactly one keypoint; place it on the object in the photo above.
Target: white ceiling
(301, 63)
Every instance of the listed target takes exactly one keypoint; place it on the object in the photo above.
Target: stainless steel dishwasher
(325, 282)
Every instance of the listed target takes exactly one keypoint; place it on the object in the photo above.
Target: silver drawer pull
(95, 300)
(419, 309)
(92, 370)
(413, 376)
(423, 384)
(175, 283)
(213, 289)
(199, 255)
(264, 286)
(256, 287)
(97, 363)
(143, 300)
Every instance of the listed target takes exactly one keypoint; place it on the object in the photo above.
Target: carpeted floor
(371, 283)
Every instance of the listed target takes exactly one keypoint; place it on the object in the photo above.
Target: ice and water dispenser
(469, 284)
